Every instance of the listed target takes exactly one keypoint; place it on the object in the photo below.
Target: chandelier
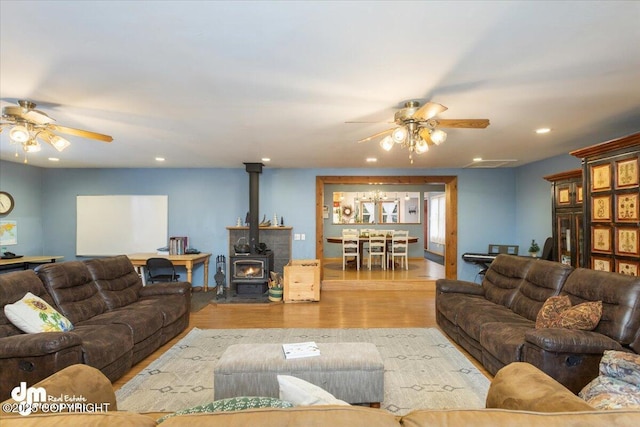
(415, 137)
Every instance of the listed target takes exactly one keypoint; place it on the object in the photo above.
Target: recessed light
(266, 159)
(371, 159)
(159, 159)
(543, 130)
(477, 159)
(54, 159)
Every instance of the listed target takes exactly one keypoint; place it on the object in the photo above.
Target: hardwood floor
(376, 302)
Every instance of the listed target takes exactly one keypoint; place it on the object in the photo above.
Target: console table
(188, 261)
(25, 262)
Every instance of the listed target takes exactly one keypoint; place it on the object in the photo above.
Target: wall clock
(6, 203)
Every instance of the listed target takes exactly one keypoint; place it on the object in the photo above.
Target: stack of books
(300, 349)
(177, 245)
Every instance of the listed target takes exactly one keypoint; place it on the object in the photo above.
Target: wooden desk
(363, 240)
(25, 262)
(188, 261)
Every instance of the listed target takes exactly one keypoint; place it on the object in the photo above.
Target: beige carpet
(422, 368)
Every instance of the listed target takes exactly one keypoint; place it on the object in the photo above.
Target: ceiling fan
(29, 126)
(418, 127)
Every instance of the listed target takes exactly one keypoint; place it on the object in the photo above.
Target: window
(389, 212)
(437, 219)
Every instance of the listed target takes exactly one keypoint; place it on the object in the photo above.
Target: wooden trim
(451, 195)
(605, 147)
(575, 173)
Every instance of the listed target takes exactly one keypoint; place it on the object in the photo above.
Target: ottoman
(353, 372)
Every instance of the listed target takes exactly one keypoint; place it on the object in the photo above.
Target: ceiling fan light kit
(418, 128)
(30, 126)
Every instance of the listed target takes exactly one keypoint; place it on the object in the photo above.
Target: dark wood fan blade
(82, 133)
(384, 132)
(429, 110)
(463, 123)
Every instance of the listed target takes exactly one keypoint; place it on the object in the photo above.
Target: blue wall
(510, 205)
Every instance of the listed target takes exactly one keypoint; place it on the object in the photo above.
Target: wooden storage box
(302, 280)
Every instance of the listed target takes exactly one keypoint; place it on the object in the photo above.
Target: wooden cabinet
(567, 217)
(612, 220)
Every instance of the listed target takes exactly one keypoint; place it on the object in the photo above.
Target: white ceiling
(216, 84)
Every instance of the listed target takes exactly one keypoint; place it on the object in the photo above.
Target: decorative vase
(275, 294)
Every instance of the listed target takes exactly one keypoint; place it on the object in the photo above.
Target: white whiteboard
(116, 225)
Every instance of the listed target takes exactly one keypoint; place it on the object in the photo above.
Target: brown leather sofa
(495, 321)
(117, 321)
(520, 395)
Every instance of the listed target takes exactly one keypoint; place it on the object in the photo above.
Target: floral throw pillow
(583, 316)
(550, 310)
(621, 365)
(557, 312)
(32, 314)
(232, 404)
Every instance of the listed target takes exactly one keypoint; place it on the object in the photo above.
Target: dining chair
(378, 249)
(350, 247)
(161, 270)
(399, 248)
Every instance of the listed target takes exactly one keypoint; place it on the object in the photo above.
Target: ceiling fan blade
(34, 116)
(426, 135)
(384, 132)
(81, 133)
(386, 121)
(463, 123)
(429, 110)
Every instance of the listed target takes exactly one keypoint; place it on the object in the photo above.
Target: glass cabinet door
(565, 230)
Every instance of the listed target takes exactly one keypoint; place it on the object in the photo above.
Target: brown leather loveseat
(495, 321)
(117, 321)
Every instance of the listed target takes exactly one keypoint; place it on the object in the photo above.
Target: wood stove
(250, 273)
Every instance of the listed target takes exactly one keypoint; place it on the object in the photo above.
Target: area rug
(200, 300)
(423, 370)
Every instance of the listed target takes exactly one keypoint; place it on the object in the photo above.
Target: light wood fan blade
(82, 133)
(33, 116)
(426, 135)
(429, 110)
(384, 132)
(463, 123)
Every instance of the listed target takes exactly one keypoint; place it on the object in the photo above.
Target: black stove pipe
(254, 170)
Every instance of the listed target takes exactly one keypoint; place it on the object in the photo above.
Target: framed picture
(601, 239)
(601, 177)
(601, 264)
(629, 268)
(8, 233)
(627, 241)
(627, 207)
(564, 196)
(627, 173)
(578, 193)
(601, 208)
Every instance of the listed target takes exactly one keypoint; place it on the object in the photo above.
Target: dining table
(364, 239)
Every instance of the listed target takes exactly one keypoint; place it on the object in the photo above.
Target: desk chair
(399, 248)
(161, 270)
(350, 248)
(378, 248)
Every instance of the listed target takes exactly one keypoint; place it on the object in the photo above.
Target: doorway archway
(451, 204)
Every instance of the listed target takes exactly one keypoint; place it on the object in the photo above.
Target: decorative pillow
(583, 316)
(550, 310)
(232, 404)
(609, 393)
(32, 314)
(303, 393)
(622, 366)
